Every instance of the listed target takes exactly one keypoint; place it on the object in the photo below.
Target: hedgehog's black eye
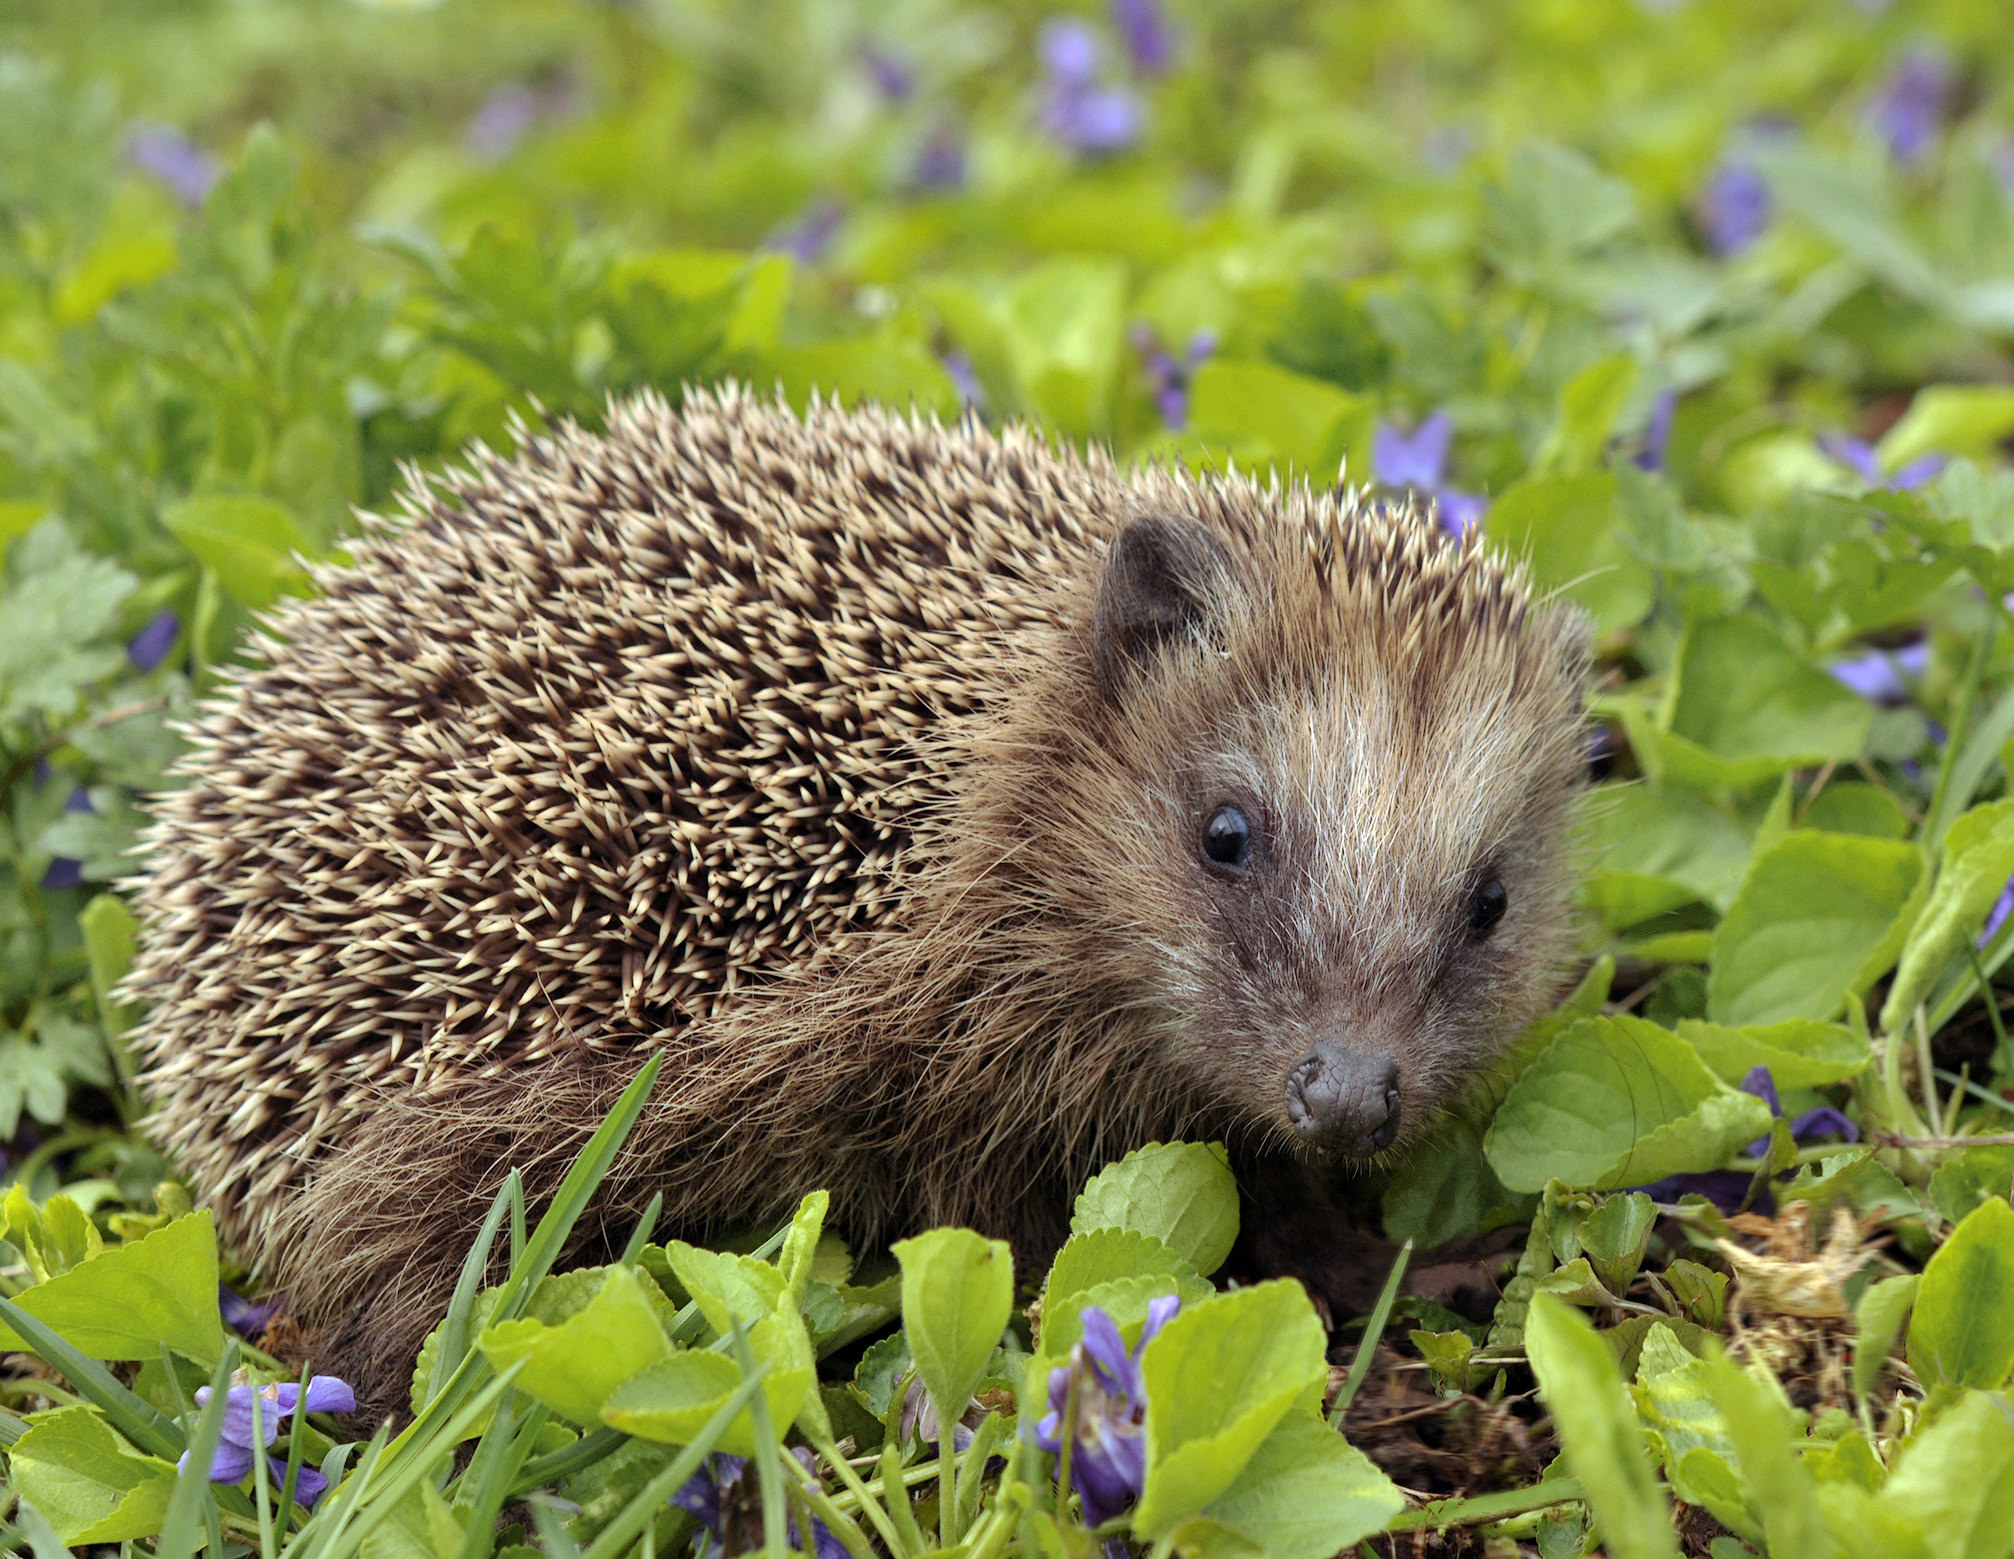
(1488, 907)
(1227, 838)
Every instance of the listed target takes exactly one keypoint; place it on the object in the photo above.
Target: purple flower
(807, 237)
(970, 391)
(1909, 110)
(711, 1494)
(508, 114)
(1734, 209)
(1877, 675)
(1077, 109)
(1997, 916)
(1169, 376)
(151, 644)
(892, 76)
(1656, 433)
(940, 160)
(1821, 1122)
(1417, 462)
(1149, 40)
(243, 1316)
(64, 872)
(176, 161)
(1109, 1461)
(326, 1394)
(1858, 456)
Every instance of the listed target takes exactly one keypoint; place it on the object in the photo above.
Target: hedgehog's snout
(1343, 1101)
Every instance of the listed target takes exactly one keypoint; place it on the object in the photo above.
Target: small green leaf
(1878, 1320)
(1259, 416)
(127, 1302)
(1590, 404)
(1307, 1493)
(957, 1293)
(250, 542)
(1955, 1481)
(1676, 1406)
(1617, 1102)
(1819, 917)
(1949, 419)
(1100, 1255)
(1219, 1378)
(1799, 1054)
(1976, 1175)
(1604, 1450)
(1181, 1193)
(672, 1401)
(91, 1485)
(726, 1287)
(800, 1243)
(1568, 528)
(1978, 859)
(1959, 1332)
(574, 1366)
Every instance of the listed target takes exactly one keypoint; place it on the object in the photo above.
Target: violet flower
(1997, 916)
(1656, 433)
(1417, 462)
(1858, 456)
(1149, 39)
(64, 872)
(1735, 208)
(1824, 1121)
(151, 644)
(711, 1494)
(891, 73)
(1078, 109)
(243, 1316)
(1877, 675)
(174, 159)
(970, 390)
(940, 160)
(1109, 1462)
(1910, 108)
(326, 1394)
(806, 237)
(1169, 375)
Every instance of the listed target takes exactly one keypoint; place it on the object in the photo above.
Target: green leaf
(1569, 529)
(1597, 1429)
(59, 604)
(1878, 1320)
(672, 1401)
(1590, 404)
(1307, 1493)
(1445, 1188)
(1799, 1054)
(1747, 708)
(1955, 1481)
(1258, 416)
(127, 1302)
(1976, 1175)
(1100, 1255)
(1219, 1378)
(1181, 1193)
(1685, 1422)
(1959, 1331)
(1670, 846)
(888, 367)
(800, 1243)
(726, 1287)
(1763, 1429)
(1949, 419)
(957, 1293)
(91, 1485)
(1617, 1102)
(1820, 917)
(574, 1366)
(250, 542)
(1978, 858)
(108, 942)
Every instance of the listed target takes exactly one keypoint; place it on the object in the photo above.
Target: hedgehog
(954, 812)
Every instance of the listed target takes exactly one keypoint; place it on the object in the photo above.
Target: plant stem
(1067, 1440)
(261, 1479)
(858, 1489)
(947, 1474)
(1374, 1328)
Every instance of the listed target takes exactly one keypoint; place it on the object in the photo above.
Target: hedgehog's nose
(1345, 1102)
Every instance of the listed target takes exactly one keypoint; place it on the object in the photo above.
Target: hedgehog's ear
(1163, 580)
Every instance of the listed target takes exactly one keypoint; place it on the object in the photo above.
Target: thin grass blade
(139, 1421)
(1374, 1328)
(455, 1328)
(192, 1499)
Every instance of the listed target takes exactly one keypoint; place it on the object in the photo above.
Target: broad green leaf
(1258, 416)
(1763, 1429)
(893, 369)
(1062, 324)
(1819, 917)
(1799, 1054)
(1617, 1102)
(1219, 1378)
(1569, 529)
(1100, 1255)
(726, 1287)
(1590, 404)
(1125, 1300)
(1747, 707)
(672, 1401)
(1878, 1319)
(1181, 1193)
(1976, 1175)
(1853, 808)
(1949, 419)
(1598, 1431)
(1445, 1188)
(1667, 847)
(90, 1485)
(957, 1292)
(574, 1366)
(127, 1302)
(1307, 1493)
(1959, 1331)
(250, 542)
(1977, 860)
(1677, 1407)
(1955, 1481)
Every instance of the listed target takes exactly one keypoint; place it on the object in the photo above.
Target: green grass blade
(192, 1499)
(1374, 1328)
(574, 1193)
(645, 1227)
(455, 1328)
(333, 1518)
(565, 1462)
(487, 1484)
(553, 1536)
(774, 1527)
(138, 1421)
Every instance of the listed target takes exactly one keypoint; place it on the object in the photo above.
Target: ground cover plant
(1704, 307)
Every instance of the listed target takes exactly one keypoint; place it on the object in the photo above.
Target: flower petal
(309, 1485)
(327, 1394)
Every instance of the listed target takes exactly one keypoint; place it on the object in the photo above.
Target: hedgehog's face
(1358, 853)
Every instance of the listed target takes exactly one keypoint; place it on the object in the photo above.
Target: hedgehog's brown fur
(832, 756)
